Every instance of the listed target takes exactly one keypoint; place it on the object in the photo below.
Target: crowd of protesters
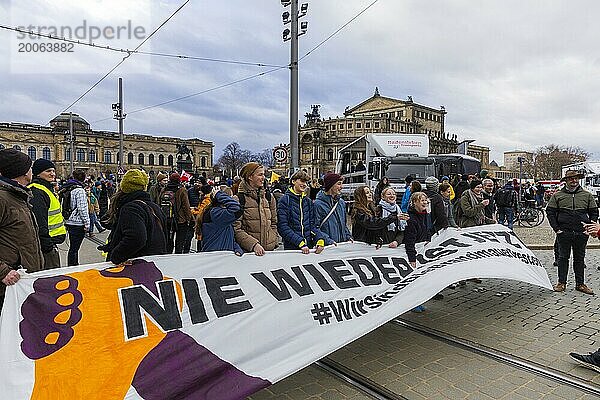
(248, 215)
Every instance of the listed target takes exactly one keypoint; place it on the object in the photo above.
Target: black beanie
(474, 183)
(40, 165)
(206, 189)
(13, 163)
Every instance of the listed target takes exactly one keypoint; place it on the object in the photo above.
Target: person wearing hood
(296, 221)
(215, 221)
(136, 221)
(256, 229)
(568, 210)
(46, 207)
(330, 210)
(19, 235)
(78, 222)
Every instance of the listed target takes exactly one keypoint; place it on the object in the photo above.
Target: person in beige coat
(19, 237)
(256, 229)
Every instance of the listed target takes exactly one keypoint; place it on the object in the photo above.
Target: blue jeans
(508, 214)
(76, 235)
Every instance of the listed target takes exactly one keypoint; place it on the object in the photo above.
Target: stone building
(320, 139)
(98, 151)
(511, 159)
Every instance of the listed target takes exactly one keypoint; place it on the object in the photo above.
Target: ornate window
(1, 146)
(130, 158)
(161, 159)
(107, 157)
(171, 160)
(92, 156)
(330, 155)
(46, 153)
(151, 159)
(141, 159)
(68, 154)
(80, 155)
(203, 162)
(17, 147)
(32, 152)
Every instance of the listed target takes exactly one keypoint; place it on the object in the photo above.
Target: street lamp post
(120, 116)
(291, 17)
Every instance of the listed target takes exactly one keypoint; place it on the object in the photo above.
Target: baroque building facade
(320, 139)
(97, 152)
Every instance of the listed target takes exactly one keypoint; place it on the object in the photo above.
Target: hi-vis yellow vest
(56, 223)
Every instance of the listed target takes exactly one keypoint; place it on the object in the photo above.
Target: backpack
(504, 198)
(167, 204)
(64, 196)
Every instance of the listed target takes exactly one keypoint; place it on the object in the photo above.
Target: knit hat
(160, 176)
(249, 169)
(40, 165)
(133, 180)
(206, 189)
(174, 177)
(14, 163)
(330, 179)
(432, 183)
(474, 183)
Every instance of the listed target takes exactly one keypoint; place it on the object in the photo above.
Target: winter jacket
(79, 204)
(296, 221)
(155, 191)
(394, 231)
(449, 209)
(490, 210)
(405, 199)
(472, 212)
(19, 242)
(416, 232)
(258, 223)
(194, 196)
(138, 230)
(41, 204)
(335, 228)
(217, 224)
(182, 208)
(369, 229)
(567, 210)
(439, 218)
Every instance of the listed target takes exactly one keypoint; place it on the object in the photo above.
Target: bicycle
(528, 214)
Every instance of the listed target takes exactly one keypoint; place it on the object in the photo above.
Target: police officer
(46, 208)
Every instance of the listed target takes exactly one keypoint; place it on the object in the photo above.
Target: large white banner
(218, 326)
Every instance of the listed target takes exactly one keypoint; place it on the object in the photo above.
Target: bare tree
(265, 158)
(233, 159)
(548, 160)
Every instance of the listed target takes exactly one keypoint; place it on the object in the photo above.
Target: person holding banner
(367, 224)
(19, 240)
(137, 222)
(215, 222)
(296, 220)
(330, 209)
(393, 234)
(256, 229)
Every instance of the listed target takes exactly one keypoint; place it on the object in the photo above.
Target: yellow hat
(133, 180)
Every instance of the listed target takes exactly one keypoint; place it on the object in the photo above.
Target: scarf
(474, 201)
(387, 209)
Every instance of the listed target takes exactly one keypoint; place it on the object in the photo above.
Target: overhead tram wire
(338, 30)
(128, 51)
(127, 56)
(201, 92)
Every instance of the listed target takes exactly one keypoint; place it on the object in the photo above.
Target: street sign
(280, 154)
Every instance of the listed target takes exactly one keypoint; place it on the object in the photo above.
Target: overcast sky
(511, 74)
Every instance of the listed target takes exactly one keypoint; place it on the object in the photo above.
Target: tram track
(500, 356)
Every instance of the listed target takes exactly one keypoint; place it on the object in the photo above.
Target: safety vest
(56, 223)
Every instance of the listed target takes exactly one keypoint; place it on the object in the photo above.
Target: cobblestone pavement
(525, 321)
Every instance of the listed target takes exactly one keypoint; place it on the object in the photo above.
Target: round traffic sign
(280, 154)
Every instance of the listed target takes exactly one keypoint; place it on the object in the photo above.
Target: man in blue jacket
(296, 218)
(330, 210)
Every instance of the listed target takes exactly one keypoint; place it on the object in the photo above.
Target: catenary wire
(127, 56)
(338, 30)
(129, 51)
(199, 93)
